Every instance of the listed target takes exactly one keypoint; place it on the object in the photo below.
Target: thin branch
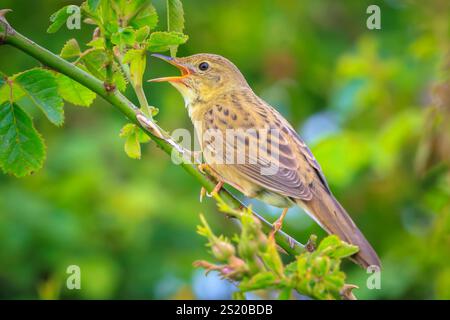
(11, 37)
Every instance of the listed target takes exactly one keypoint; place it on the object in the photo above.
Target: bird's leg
(206, 169)
(279, 223)
(216, 189)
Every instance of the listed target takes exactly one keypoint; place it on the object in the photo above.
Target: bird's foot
(202, 167)
(206, 169)
(213, 193)
(216, 189)
(276, 227)
(278, 224)
(202, 193)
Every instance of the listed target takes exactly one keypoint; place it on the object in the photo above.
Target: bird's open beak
(173, 61)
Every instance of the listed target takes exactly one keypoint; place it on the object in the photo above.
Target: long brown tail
(332, 217)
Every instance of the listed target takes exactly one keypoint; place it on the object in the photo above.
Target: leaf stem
(142, 100)
(129, 110)
(138, 90)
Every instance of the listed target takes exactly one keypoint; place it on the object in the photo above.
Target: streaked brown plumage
(219, 98)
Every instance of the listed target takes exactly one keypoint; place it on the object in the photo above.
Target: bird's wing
(282, 162)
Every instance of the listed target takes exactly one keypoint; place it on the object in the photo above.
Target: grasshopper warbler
(247, 144)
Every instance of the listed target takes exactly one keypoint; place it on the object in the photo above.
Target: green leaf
(137, 60)
(175, 20)
(60, 17)
(98, 43)
(259, 281)
(119, 80)
(93, 4)
(93, 15)
(162, 41)
(335, 248)
(41, 87)
(144, 14)
(74, 92)
(108, 17)
(175, 15)
(94, 62)
(328, 242)
(346, 250)
(132, 54)
(70, 50)
(272, 259)
(127, 130)
(5, 92)
(132, 129)
(133, 147)
(134, 137)
(22, 150)
(142, 136)
(123, 37)
(142, 34)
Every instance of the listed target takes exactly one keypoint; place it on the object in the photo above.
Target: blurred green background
(374, 105)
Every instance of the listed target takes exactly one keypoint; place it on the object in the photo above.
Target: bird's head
(203, 76)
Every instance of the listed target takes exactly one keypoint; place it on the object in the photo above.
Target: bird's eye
(203, 66)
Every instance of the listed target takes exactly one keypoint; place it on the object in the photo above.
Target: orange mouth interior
(184, 73)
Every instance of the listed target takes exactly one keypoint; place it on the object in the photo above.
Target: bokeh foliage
(373, 105)
(253, 262)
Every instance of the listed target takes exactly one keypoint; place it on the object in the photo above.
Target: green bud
(248, 248)
(262, 242)
(222, 250)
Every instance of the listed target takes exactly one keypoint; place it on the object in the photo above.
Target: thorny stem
(11, 37)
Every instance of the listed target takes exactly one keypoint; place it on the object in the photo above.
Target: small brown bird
(249, 145)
